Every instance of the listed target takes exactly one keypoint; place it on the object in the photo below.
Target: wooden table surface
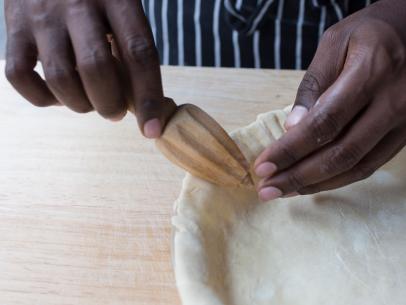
(85, 204)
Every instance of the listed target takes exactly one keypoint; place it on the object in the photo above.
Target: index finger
(137, 49)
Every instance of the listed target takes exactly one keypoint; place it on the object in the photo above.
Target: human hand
(69, 38)
(358, 79)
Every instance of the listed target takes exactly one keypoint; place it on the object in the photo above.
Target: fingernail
(265, 169)
(152, 129)
(294, 118)
(269, 193)
(294, 194)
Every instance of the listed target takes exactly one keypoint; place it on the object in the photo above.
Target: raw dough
(342, 247)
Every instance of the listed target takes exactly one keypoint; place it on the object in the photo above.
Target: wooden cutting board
(85, 204)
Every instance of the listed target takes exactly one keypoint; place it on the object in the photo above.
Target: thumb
(321, 74)
(310, 89)
(152, 116)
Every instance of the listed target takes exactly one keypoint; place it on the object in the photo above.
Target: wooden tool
(196, 142)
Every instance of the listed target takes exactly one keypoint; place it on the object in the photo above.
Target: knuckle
(57, 75)
(93, 62)
(332, 34)
(296, 181)
(140, 49)
(42, 16)
(324, 128)
(309, 88)
(385, 43)
(15, 70)
(310, 82)
(340, 158)
(392, 57)
(286, 154)
(76, 9)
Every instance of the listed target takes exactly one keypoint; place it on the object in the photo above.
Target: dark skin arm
(349, 116)
(69, 38)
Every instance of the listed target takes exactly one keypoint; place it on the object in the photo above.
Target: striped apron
(277, 34)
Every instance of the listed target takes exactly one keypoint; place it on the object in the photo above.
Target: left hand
(358, 79)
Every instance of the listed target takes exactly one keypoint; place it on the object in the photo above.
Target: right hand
(69, 38)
